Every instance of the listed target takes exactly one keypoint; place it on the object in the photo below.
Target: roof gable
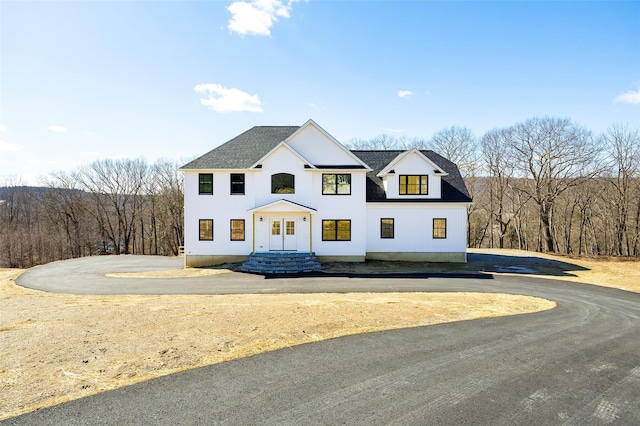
(282, 205)
(322, 149)
(406, 154)
(285, 146)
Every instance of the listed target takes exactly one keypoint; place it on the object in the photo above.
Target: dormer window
(414, 185)
(283, 183)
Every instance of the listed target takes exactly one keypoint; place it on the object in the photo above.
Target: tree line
(125, 206)
(545, 184)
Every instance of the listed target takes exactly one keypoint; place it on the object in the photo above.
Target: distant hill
(7, 192)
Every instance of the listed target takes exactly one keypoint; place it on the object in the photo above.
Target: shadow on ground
(479, 265)
(526, 265)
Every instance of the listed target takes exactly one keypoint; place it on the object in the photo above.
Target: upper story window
(205, 183)
(237, 183)
(414, 185)
(336, 184)
(283, 183)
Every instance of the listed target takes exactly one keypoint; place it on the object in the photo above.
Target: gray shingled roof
(244, 150)
(453, 187)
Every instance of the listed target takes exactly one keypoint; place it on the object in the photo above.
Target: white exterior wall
(338, 207)
(283, 161)
(221, 207)
(412, 165)
(413, 227)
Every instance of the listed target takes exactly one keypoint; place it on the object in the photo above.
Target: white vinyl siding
(413, 227)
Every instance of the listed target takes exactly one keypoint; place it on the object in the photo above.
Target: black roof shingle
(453, 187)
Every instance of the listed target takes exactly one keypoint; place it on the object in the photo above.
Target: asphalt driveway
(577, 364)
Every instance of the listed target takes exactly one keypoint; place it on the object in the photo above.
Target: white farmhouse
(285, 189)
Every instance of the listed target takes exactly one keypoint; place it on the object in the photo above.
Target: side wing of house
(416, 207)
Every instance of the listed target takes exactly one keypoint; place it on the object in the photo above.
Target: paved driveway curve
(578, 364)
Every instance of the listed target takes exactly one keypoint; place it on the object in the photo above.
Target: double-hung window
(439, 228)
(336, 230)
(205, 183)
(237, 183)
(414, 185)
(237, 229)
(206, 230)
(386, 228)
(336, 184)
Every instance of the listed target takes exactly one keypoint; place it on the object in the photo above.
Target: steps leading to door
(281, 263)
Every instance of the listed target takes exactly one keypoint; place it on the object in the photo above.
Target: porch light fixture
(261, 218)
(304, 219)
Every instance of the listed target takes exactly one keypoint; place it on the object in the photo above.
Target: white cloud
(631, 97)
(222, 99)
(258, 16)
(8, 147)
(392, 130)
(2, 128)
(404, 93)
(57, 129)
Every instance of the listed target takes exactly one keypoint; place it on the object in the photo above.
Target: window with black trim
(237, 229)
(414, 185)
(336, 184)
(206, 230)
(283, 183)
(237, 183)
(205, 183)
(336, 230)
(439, 228)
(386, 228)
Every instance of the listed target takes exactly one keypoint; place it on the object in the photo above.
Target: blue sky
(87, 80)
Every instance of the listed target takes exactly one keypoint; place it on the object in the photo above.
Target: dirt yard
(56, 347)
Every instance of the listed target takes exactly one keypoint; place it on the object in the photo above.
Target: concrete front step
(281, 263)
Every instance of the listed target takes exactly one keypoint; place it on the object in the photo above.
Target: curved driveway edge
(87, 275)
(577, 364)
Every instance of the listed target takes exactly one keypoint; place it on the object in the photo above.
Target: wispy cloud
(404, 93)
(57, 129)
(222, 99)
(631, 97)
(258, 16)
(9, 147)
(2, 128)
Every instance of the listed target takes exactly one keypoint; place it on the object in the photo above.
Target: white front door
(282, 234)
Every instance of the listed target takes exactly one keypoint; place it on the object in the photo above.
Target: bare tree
(622, 147)
(116, 187)
(553, 154)
(65, 206)
(500, 168)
